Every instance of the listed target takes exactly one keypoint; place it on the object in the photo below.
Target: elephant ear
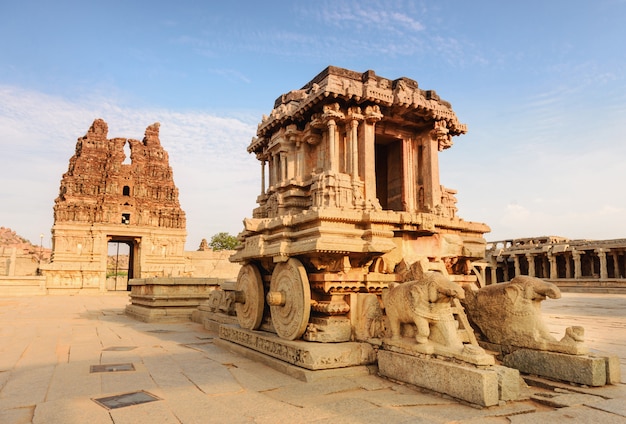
(416, 294)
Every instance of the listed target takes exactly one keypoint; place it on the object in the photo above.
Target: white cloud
(216, 177)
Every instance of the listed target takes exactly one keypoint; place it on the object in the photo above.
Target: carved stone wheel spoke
(290, 299)
(250, 308)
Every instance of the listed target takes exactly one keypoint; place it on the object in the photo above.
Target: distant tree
(223, 241)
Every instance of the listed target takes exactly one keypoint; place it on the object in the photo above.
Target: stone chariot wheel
(250, 298)
(290, 299)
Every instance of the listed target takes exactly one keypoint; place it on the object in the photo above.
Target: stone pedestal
(308, 355)
(168, 299)
(484, 386)
(591, 370)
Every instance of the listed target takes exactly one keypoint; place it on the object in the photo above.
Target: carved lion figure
(421, 302)
(509, 314)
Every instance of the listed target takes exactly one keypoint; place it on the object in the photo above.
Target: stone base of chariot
(479, 385)
(211, 320)
(343, 358)
(218, 308)
(593, 369)
(163, 299)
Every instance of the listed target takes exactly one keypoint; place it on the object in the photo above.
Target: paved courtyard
(77, 359)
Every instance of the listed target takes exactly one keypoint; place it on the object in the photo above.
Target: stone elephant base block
(591, 370)
(481, 386)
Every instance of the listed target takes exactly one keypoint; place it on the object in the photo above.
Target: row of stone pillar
(549, 265)
(359, 161)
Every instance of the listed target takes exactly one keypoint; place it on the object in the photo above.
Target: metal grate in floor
(111, 367)
(126, 399)
(119, 348)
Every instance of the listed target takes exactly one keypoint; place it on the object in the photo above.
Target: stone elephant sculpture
(509, 314)
(423, 302)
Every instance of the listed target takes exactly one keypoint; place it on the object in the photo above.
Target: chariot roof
(400, 99)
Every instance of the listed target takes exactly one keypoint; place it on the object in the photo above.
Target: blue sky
(540, 84)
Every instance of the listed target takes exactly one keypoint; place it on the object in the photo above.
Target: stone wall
(211, 264)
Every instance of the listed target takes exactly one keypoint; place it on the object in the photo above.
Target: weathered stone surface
(107, 196)
(563, 399)
(425, 306)
(613, 366)
(614, 406)
(573, 415)
(312, 356)
(295, 371)
(328, 329)
(509, 314)
(509, 383)
(160, 314)
(474, 385)
(168, 299)
(350, 188)
(581, 369)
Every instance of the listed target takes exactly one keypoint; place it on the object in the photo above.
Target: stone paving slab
(48, 343)
(570, 415)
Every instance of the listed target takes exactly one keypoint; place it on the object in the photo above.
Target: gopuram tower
(105, 197)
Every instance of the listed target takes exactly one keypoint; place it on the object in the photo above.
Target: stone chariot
(350, 199)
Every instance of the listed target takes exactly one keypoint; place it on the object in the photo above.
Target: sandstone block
(580, 369)
(509, 383)
(613, 368)
(467, 383)
(312, 356)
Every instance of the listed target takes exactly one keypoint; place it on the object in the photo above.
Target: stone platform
(48, 345)
(308, 355)
(163, 299)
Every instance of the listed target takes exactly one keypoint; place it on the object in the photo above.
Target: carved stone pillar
(328, 122)
(272, 169)
(300, 168)
(429, 169)
(577, 268)
(283, 166)
(518, 271)
(333, 147)
(531, 264)
(263, 176)
(568, 266)
(554, 273)
(603, 269)
(354, 148)
(616, 273)
(367, 157)
(505, 269)
(355, 116)
(494, 274)
(292, 154)
(409, 195)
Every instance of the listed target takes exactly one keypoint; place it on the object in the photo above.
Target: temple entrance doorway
(120, 262)
(389, 173)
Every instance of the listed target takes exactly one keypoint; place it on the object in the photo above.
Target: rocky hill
(10, 239)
